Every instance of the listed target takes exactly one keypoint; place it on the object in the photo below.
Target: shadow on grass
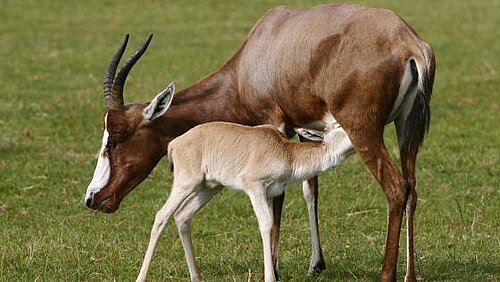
(242, 271)
(345, 275)
(432, 271)
(435, 270)
(440, 270)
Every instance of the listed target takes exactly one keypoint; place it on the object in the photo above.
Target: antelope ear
(160, 104)
(310, 134)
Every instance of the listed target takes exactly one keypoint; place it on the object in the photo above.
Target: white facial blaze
(102, 169)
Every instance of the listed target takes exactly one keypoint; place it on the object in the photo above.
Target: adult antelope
(299, 67)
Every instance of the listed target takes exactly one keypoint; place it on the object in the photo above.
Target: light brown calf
(257, 160)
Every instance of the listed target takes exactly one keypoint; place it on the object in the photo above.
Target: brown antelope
(351, 65)
(257, 160)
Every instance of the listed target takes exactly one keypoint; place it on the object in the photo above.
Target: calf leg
(262, 206)
(183, 217)
(178, 194)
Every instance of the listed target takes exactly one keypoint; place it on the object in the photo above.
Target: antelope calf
(258, 160)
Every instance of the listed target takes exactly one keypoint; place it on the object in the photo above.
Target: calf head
(131, 147)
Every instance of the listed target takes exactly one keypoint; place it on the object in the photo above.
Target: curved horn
(110, 100)
(119, 82)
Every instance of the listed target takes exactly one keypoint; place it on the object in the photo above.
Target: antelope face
(131, 147)
(123, 162)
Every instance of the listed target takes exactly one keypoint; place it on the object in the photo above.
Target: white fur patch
(281, 128)
(404, 100)
(102, 169)
(327, 119)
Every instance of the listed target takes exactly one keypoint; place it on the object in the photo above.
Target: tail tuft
(418, 120)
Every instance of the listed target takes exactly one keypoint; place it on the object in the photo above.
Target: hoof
(410, 278)
(316, 268)
(276, 277)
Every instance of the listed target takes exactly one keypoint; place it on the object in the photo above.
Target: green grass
(52, 59)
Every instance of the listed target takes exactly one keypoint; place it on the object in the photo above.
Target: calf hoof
(276, 277)
(262, 279)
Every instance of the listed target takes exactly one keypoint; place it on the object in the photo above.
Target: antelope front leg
(342, 148)
(310, 191)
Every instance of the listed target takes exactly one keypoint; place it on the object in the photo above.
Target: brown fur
(296, 65)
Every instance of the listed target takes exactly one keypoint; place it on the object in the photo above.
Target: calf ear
(160, 104)
(310, 134)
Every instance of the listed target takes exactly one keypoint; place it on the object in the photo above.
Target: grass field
(53, 56)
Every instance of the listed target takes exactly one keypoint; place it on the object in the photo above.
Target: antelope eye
(110, 146)
(117, 135)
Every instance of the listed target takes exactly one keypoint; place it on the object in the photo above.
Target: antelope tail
(413, 120)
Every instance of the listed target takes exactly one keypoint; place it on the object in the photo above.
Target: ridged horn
(119, 81)
(110, 100)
